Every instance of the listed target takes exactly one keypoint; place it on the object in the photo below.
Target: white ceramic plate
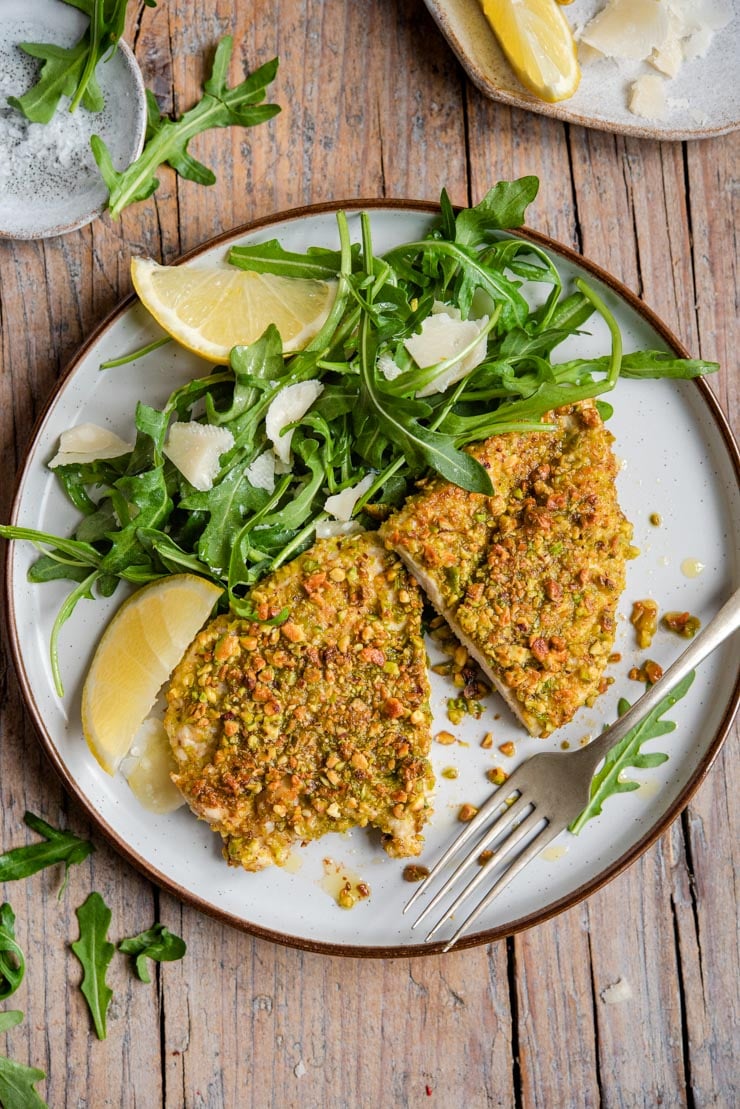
(45, 191)
(703, 99)
(679, 461)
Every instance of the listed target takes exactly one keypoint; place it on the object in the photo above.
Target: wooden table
(375, 105)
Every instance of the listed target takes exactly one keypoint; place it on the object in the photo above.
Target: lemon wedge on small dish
(210, 309)
(138, 651)
(538, 43)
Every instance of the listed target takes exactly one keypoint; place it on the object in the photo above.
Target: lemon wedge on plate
(138, 651)
(537, 41)
(210, 309)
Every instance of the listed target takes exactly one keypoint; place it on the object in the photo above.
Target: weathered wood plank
(376, 105)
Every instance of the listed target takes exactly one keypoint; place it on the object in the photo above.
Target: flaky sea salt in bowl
(49, 182)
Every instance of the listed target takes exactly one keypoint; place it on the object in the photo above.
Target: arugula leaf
(167, 140)
(270, 257)
(659, 363)
(58, 847)
(609, 780)
(16, 1080)
(70, 71)
(502, 207)
(12, 962)
(158, 943)
(9, 1019)
(95, 953)
(17, 1083)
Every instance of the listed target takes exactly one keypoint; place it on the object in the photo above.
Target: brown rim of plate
(528, 102)
(408, 950)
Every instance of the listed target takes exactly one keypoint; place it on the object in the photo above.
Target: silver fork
(555, 786)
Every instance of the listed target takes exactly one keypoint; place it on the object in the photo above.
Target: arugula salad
(376, 423)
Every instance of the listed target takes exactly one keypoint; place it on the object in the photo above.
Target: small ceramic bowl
(49, 182)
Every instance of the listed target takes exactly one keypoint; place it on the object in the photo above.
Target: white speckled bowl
(43, 193)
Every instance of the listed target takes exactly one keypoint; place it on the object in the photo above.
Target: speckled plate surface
(703, 99)
(679, 461)
(48, 189)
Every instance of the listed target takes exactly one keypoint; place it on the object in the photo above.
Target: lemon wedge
(210, 309)
(138, 651)
(536, 38)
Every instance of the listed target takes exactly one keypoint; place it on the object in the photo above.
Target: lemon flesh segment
(538, 43)
(137, 652)
(210, 309)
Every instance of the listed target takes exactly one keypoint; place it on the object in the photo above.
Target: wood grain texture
(375, 105)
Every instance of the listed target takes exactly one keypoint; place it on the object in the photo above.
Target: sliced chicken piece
(529, 578)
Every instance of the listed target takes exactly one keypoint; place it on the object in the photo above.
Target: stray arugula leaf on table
(70, 71)
(628, 753)
(17, 1081)
(57, 847)
(167, 140)
(95, 952)
(12, 961)
(158, 943)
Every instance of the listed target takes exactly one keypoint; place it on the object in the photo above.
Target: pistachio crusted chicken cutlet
(529, 578)
(283, 733)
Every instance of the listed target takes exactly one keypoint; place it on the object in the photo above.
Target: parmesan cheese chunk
(668, 58)
(88, 443)
(444, 336)
(261, 472)
(389, 367)
(196, 449)
(290, 405)
(647, 97)
(628, 29)
(328, 529)
(341, 505)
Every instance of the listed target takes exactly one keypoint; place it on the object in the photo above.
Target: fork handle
(717, 631)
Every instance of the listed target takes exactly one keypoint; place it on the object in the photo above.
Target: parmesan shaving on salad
(88, 443)
(195, 449)
(291, 404)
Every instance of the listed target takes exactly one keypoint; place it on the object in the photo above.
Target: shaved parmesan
(698, 15)
(290, 405)
(88, 443)
(647, 97)
(663, 33)
(261, 472)
(327, 529)
(196, 449)
(388, 367)
(341, 505)
(444, 337)
(628, 29)
(668, 58)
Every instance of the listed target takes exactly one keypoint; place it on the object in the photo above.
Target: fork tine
(528, 825)
(466, 834)
(501, 824)
(548, 833)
